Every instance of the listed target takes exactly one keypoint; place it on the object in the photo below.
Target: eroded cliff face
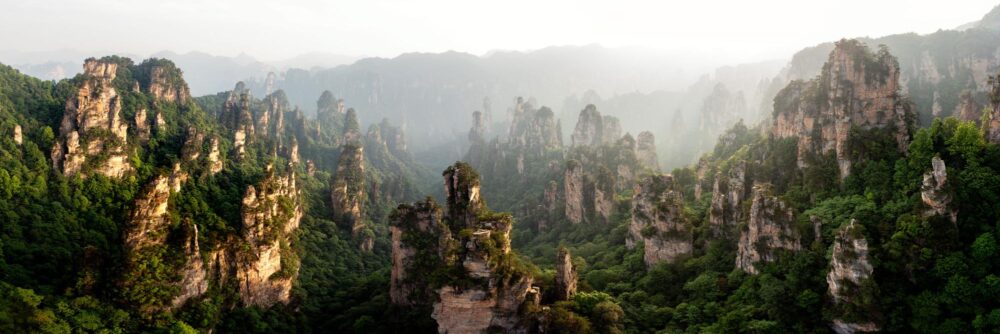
(412, 225)
(573, 190)
(729, 191)
(566, 275)
(18, 138)
(237, 117)
(271, 212)
(165, 84)
(658, 220)
(592, 129)
(536, 131)
(145, 236)
(92, 134)
(259, 261)
(770, 228)
(856, 89)
(474, 239)
(936, 193)
(992, 120)
(850, 269)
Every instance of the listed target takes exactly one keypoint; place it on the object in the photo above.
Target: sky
(726, 31)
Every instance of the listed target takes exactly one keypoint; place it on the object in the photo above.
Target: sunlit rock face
(165, 83)
(18, 137)
(935, 192)
(475, 241)
(238, 118)
(259, 262)
(146, 231)
(271, 213)
(850, 269)
(770, 228)
(658, 221)
(856, 89)
(92, 127)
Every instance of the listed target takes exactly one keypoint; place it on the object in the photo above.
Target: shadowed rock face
(92, 127)
(770, 228)
(849, 269)
(658, 220)
(565, 275)
(573, 184)
(476, 241)
(728, 194)
(856, 89)
(993, 118)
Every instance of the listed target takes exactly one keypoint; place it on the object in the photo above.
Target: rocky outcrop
(271, 211)
(850, 268)
(142, 128)
(347, 189)
(856, 89)
(147, 223)
(566, 275)
(145, 235)
(411, 225)
(259, 261)
(535, 131)
(645, 150)
(728, 194)
(589, 128)
(194, 277)
(700, 173)
(238, 118)
(658, 221)
(191, 150)
(92, 134)
(992, 121)
(214, 160)
(18, 138)
(165, 82)
(550, 201)
(477, 241)
(935, 192)
(477, 135)
(770, 228)
(573, 190)
(603, 185)
(611, 130)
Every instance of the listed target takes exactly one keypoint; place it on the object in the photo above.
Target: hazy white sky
(727, 30)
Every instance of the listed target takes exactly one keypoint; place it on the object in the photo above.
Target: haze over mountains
(714, 180)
